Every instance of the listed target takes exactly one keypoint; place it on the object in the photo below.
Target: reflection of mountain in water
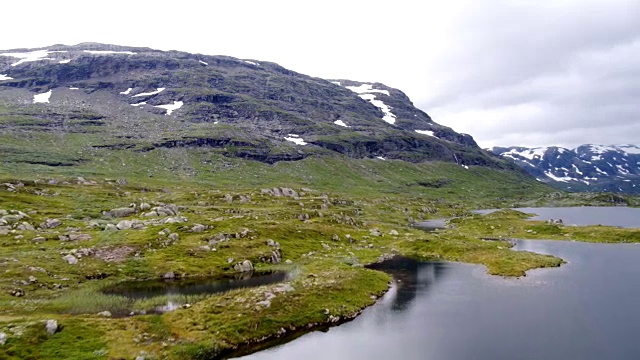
(411, 276)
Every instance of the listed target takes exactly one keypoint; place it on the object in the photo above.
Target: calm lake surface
(586, 309)
(585, 215)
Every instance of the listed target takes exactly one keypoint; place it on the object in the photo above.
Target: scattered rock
(174, 237)
(198, 228)
(3, 338)
(121, 212)
(33, 279)
(335, 237)
(288, 261)
(375, 232)
(104, 313)
(110, 227)
(394, 232)
(289, 192)
(169, 275)
(70, 259)
(144, 206)
(16, 292)
(124, 225)
(51, 327)
(275, 257)
(25, 226)
(50, 224)
(244, 266)
(228, 198)
(79, 237)
(38, 239)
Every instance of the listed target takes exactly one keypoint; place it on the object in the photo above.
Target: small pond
(174, 293)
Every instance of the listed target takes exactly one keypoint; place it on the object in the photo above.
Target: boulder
(393, 232)
(150, 214)
(79, 237)
(17, 292)
(244, 266)
(10, 219)
(70, 259)
(145, 206)
(375, 232)
(50, 223)
(121, 212)
(289, 192)
(174, 237)
(124, 225)
(277, 192)
(198, 228)
(169, 275)
(228, 198)
(38, 239)
(25, 226)
(110, 227)
(104, 313)
(3, 338)
(51, 327)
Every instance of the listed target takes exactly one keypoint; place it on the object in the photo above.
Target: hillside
(613, 168)
(100, 100)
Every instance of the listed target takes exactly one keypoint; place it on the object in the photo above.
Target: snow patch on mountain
(366, 89)
(5, 77)
(425, 132)
(296, 139)
(171, 107)
(386, 110)
(158, 91)
(341, 123)
(36, 55)
(42, 98)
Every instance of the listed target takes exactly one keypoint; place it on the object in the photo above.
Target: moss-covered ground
(345, 214)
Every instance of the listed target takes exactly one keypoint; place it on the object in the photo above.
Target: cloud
(544, 75)
(508, 72)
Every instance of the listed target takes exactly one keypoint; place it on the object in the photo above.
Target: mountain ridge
(588, 167)
(143, 99)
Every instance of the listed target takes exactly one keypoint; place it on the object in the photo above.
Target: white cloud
(509, 72)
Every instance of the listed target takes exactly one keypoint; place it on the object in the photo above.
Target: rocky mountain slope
(614, 168)
(66, 105)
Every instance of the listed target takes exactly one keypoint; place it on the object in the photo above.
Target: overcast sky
(531, 73)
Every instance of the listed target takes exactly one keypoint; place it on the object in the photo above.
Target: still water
(586, 309)
(585, 215)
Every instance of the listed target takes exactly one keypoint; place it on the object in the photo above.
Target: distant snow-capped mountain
(588, 167)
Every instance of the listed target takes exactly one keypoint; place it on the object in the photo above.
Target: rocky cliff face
(588, 167)
(139, 99)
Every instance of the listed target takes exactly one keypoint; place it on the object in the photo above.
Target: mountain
(63, 105)
(613, 168)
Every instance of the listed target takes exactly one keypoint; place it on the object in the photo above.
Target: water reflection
(193, 286)
(411, 277)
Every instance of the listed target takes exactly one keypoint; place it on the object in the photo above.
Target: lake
(586, 309)
(585, 215)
